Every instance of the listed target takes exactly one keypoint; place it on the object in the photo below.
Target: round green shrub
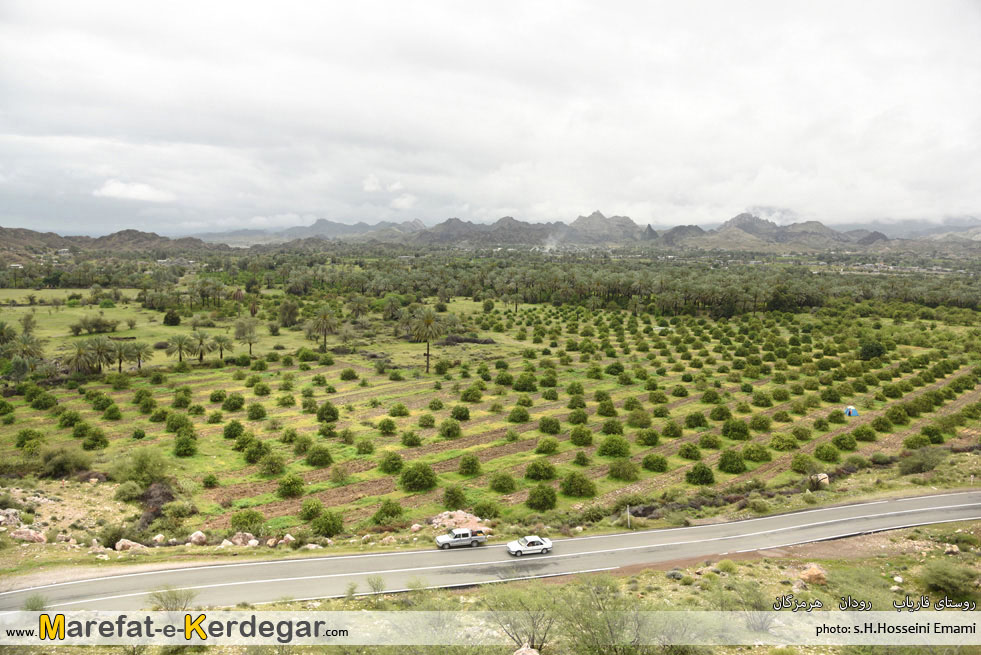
(655, 462)
(418, 476)
(542, 497)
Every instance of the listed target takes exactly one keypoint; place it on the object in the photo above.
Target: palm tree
(7, 333)
(427, 327)
(403, 322)
(121, 351)
(101, 350)
(180, 344)
(323, 323)
(391, 308)
(222, 343)
(358, 306)
(78, 358)
(28, 323)
(202, 344)
(140, 352)
(245, 331)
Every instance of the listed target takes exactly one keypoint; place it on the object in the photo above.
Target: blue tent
(851, 411)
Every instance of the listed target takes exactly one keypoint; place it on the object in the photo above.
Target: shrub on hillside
(655, 462)
(502, 483)
(418, 476)
(624, 470)
(700, 474)
(614, 446)
(542, 497)
(731, 461)
(540, 469)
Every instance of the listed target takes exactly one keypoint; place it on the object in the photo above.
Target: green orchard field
(595, 405)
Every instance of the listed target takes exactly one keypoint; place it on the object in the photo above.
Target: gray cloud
(218, 115)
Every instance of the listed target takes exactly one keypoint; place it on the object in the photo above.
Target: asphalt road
(319, 577)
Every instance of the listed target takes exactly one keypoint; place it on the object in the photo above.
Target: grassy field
(650, 398)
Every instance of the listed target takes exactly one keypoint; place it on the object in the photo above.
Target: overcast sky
(179, 117)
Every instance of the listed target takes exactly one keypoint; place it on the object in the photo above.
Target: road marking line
(759, 518)
(852, 534)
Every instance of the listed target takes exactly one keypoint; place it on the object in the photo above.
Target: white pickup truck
(461, 537)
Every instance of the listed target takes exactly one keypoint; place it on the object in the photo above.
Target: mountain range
(19, 243)
(745, 232)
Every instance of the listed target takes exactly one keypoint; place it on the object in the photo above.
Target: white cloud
(371, 184)
(132, 191)
(404, 201)
(670, 113)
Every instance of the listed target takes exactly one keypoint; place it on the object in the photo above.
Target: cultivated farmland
(528, 410)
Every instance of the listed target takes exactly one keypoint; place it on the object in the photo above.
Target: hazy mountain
(679, 234)
(744, 232)
(749, 232)
(333, 230)
(20, 242)
(597, 228)
(767, 229)
(321, 228)
(914, 228)
(970, 234)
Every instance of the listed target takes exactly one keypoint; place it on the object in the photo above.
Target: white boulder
(28, 535)
(126, 544)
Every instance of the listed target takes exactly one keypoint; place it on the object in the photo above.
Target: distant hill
(331, 230)
(20, 243)
(321, 228)
(597, 228)
(745, 232)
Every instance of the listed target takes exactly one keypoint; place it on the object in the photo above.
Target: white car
(529, 544)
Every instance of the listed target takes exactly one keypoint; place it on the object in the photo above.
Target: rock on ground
(10, 517)
(26, 534)
(457, 519)
(814, 574)
(242, 538)
(126, 544)
(198, 538)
